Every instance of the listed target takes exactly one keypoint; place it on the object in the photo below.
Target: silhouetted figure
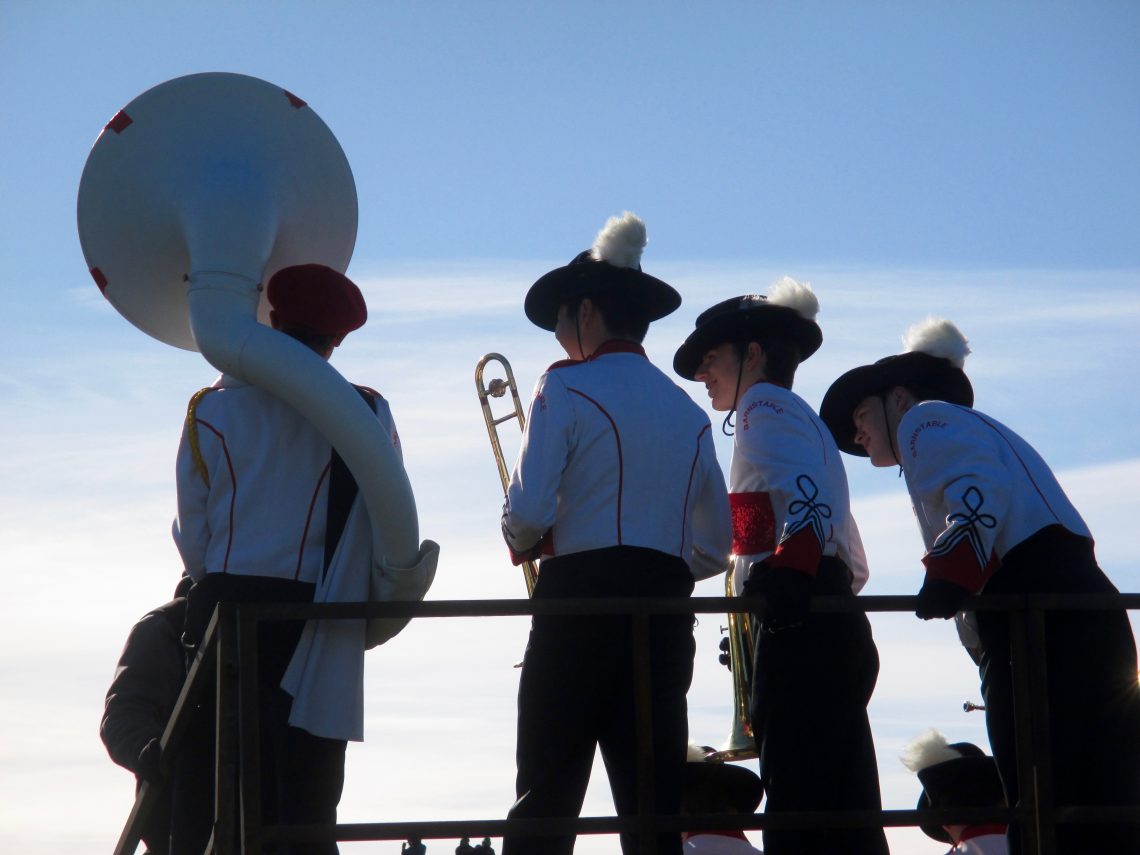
(464, 847)
(141, 697)
(485, 847)
(718, 788)
(414, 846)
(958, 775)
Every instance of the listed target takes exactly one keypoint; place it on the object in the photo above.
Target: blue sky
(975, 160)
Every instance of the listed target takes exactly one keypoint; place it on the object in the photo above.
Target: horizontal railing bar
(443, 829)
(199, 673)
(665, 605)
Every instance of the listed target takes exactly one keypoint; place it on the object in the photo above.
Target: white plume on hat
(927, 750)
(698, 753)
(791, 294)
(938, 337)
(621, 241)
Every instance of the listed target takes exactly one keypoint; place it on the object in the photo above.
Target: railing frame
(229, 653)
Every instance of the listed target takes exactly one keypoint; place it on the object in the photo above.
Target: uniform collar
(614, 345)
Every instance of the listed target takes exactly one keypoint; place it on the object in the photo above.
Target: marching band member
(793, 536)
(262, 502)
(994, 520)
(958, 775)
(716, 788)
(617, 487)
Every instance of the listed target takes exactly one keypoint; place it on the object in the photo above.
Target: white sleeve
(712, 518)
(785, 451)
(532, 496)
(191, 528)
(384, 416)
(953, 464)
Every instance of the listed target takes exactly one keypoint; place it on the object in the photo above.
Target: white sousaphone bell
(192, 197)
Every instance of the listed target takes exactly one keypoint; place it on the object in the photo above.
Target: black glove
(940, 599)
(148, 766)
(788, 592)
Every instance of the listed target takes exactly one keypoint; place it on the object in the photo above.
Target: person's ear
(900, 398)
(585, 311)
(752, 354)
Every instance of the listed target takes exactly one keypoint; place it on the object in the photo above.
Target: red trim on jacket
(617, 443)
(981, 831)
(959, 565)
(309, 520)
(689, 486)
(801, 551)
(233, 489)
(753, 523)
(613, 345)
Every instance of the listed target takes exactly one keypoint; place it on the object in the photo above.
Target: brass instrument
(736, 654)
(497, 388)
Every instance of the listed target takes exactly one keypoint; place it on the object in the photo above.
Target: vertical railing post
(225, 756)
(643, 701)
(1031, 728)
(1042, 743)
(249, 734)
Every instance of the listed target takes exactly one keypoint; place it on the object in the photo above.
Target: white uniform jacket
(257, 507)
(788, 488)
(616, 454)
(981, 844)
(978, 490)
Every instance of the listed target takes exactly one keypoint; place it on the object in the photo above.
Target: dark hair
(921, 391)
(782, 357)
(318, 342)
(624, 316)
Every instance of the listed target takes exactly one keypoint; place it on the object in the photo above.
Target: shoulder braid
(192, 432)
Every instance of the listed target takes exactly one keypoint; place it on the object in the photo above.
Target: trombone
(497, 388)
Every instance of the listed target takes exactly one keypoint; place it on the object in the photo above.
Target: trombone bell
(741, 744)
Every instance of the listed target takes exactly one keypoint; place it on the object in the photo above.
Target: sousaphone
(193, 195)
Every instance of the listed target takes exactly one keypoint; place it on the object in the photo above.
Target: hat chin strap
(728, 426)
(890, 433)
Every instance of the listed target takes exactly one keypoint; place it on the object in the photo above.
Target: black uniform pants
(576, 693)
(810, 689)
(1094, 702)
(302, 775)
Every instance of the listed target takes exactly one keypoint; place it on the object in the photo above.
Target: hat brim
(934, 832)
(656, 298)
(948, 382)
(717, 783)
(766, 319)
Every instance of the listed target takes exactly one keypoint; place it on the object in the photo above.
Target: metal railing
(229, 653)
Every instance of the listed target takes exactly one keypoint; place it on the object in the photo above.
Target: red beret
(316, 298)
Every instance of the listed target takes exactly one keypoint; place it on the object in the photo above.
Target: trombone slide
(497, 388)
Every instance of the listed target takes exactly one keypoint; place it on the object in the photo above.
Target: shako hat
(712, 786)
(953, 775)
(788, 311)
(611, 265)
(316, 298)
(935, 351)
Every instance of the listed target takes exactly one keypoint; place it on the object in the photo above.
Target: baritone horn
(736, 654)
(498, 388)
